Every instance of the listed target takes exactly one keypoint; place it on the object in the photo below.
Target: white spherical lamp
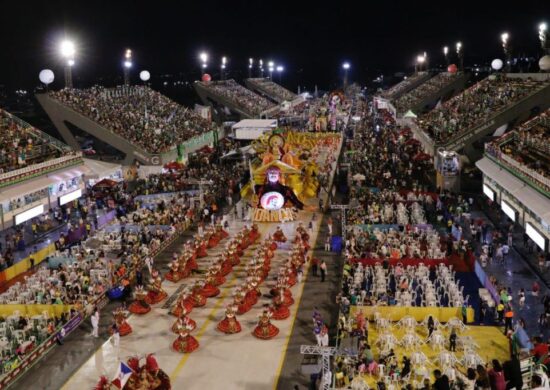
(144, 75)
(544, 63)
(497, 64)
(46, 76)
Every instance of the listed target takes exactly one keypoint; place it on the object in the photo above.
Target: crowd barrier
(34, 310)
(404, 262)
(24, 265)
(395, 313)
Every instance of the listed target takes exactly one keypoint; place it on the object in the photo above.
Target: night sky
(310, 39)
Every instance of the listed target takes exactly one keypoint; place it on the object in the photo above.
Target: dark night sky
(311, 39)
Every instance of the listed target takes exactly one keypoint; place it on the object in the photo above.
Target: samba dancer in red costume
(155, 294)
(183, 321)
(140, 305)
(185, 343)
(121, 314)
(265, 330)
(229, 324)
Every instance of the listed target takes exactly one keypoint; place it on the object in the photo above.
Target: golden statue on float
(286, 175)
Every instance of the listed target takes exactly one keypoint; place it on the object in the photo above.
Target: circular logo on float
(272, 200)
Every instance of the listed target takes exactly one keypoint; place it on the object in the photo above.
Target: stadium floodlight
(68, 51)
(504, 37)
(346, 66)
(542, 36)
(280, 68)
(460, 54)
(446, 50)
(127, 64)
(271, 64)
(222, 66)
(203, 56)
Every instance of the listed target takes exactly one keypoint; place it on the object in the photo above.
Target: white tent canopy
(101, 169)
(410, 114)
(253, 128)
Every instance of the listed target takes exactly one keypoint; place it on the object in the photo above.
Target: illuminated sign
(29, 214)
(489, 192)
(272, 200)
(533, 233)
(64, 199)
(508, 210)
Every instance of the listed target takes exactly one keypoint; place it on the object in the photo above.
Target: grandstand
(235, 97)
(138, 121)
(516, 175)
(36, 169)
(405, 86)
(425, 96)
(270, 89)
(493, 103)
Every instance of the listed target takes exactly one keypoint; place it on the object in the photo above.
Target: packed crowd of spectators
(21, 145)
(399, 161)
(402, 86)
(476, 105)
(528, 145)
(432, 86)
(242, 97)
(274, 90)
(139, 114)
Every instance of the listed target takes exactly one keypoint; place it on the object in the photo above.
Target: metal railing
(536, 180)
(35, 170)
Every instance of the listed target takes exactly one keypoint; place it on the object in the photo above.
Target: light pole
(426, 61)
(222, 70)
(460, 55)
(262, 69)
(346, 66)
(250, 66)
(271, 67)
(127, 65)
(504, 37)
(419, 61)
(446, 54)
(280, 70)
(68, 51)
(204, 61)
(542, 36)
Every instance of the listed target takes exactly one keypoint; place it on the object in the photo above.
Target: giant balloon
(497, 64)
(206, 77)
(452, 68)
(544, 63)
(46, 76)
(144, 75)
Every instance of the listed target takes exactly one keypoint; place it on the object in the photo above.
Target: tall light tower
(460, 55)
(543, 38)
(271, 68)
(261, 63)
(446, 54)
(505, 37)
(204, 61)
(280, 70)
(68, 52)
(222, 68)
(250, 66)
(346, 66)
(419, 62)
(127, 65)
